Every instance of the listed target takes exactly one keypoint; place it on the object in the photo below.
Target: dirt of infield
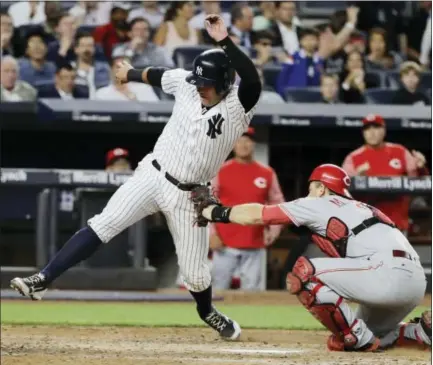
(30, 345)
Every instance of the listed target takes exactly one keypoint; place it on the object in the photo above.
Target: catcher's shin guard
(302, 282)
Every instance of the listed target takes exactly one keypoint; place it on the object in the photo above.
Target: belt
(404, 254)
(173, 180)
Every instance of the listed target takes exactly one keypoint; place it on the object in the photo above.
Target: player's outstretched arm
(250, 86)
(246, 214)
(149, 75)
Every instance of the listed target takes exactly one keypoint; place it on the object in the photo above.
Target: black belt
(173, 180)
(368, 223)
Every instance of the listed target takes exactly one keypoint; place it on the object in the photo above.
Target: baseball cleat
(227, 328)
(425, 322)
(33, 286)
(336, 344)
(423, 331)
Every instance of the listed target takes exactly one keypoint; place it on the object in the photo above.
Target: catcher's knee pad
(302, 282)
(303, 271)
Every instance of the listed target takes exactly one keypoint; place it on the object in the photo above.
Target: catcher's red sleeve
(273, 214)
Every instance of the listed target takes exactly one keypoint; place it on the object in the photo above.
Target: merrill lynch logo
(92, 177)
(400, 183)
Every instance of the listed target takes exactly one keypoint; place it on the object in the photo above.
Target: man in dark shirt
(409, 94)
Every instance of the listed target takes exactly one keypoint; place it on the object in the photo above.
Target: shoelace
(217, 321)
(35, 280)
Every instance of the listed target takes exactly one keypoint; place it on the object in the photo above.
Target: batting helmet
(333, 177)
(212, 68)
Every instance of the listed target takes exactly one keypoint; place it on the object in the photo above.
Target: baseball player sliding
(209, 115)
(370, 262)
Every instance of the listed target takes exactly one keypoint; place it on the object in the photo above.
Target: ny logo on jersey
(215, 124)
(199, 71)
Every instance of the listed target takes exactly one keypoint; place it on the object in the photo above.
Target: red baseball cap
(115, 154)
(373, 119)
(250, 132)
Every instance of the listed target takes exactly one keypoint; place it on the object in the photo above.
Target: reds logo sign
(395, 163)
(260, 182)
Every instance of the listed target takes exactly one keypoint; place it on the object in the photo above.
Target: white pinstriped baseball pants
(145, 193)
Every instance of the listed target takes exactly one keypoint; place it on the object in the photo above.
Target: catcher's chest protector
(335, 242)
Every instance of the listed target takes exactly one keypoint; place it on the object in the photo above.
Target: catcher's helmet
(333, 177)
(212, 68)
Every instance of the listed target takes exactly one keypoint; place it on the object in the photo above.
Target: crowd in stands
(363, 53)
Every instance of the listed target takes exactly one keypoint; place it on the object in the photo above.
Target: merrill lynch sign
(392, 183)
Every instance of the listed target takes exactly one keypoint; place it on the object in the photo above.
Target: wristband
(225, 42)
(134, 75)
(221, 214)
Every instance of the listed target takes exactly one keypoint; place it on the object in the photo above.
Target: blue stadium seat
(297, 95)
(379, 96)
(426, 81)
(86, 28)
(270, 75)
(376, 78)
(183, 57)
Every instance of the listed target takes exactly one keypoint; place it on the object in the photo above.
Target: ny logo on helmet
(199, 71)
(215, 124)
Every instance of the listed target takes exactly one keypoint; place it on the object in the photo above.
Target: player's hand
(215, 27)
(352, 14)
(122, 71)
(215, 243)
(362, 169)
(419, 159)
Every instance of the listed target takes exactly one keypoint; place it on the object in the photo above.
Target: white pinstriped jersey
(193, 146)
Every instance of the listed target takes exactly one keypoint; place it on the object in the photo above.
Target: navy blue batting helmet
(212, 68)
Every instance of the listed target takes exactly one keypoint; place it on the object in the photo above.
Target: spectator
(409, 94)
(117, 160)
(11, 88)
(208, 7)
(34, 68)
(380, 158)
(266, 17)
(142, 52)
(268, 95)
(335, 63)
(7, 44)
(89, 73)
(176, 31)
(286, 26)
(303, 68)
(418, 24)
(116, 31)
(64, 85)
(265, 54)
(242, 24)
(53, 16)
(149, 11)
(91, 13)
(380, 57)
(63, 44)
(27, 12)
(329, 88)
(355, 80)
(243, 180)
(135, 91)
(425, 54)
(387, 15)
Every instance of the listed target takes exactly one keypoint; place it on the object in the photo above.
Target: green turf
(154, 314)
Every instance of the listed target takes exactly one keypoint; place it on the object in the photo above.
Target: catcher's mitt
(202, 197)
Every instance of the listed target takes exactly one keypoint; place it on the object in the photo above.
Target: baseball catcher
(369, 262)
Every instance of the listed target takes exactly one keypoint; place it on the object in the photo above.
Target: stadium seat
(270, 75)
(379, 96)
(426, 81)
(376, 78)
(86, 28)
(393, 80)
(296, 95)
(183, 57)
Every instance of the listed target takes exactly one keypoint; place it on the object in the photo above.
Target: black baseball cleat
(227, 328)
(33, 286)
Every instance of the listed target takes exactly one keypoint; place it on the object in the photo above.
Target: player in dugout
(380, 158)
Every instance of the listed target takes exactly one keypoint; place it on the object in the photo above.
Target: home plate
(263, 351)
